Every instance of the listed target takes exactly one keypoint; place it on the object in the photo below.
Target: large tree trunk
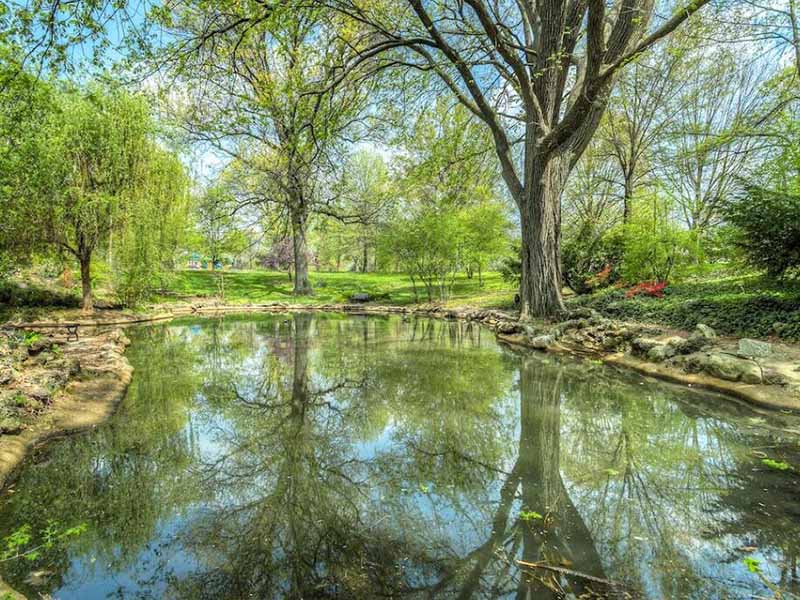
(627, 198)
(86, 282)
(540, 220)
(302, 285)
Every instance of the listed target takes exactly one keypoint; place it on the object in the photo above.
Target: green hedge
(743, 306)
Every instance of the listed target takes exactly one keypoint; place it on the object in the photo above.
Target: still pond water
(323, 456)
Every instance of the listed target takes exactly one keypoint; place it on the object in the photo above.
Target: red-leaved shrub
(654, 289)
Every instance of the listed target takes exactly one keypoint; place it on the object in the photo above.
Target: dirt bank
(52, 386)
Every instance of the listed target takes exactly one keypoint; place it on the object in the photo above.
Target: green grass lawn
(747, 305)
(386, 288)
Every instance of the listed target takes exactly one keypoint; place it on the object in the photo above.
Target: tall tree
(260, 81)
(640, 109)
(366, 197)
(537, 73)
(707, 145)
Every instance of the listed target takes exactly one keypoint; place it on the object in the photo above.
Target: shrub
(589, 260)
(510, 266)
(768, 228)
(654, 289)
(744, 306)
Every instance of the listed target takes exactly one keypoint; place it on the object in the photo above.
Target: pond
(329, 456)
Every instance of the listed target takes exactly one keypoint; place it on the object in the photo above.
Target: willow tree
(91, 161)
(261, 92)
(538, 74)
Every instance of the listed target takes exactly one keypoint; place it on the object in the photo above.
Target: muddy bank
(52, 385)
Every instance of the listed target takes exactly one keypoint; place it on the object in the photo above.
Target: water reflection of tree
(350, 457)
(655, 477)
(307, 512)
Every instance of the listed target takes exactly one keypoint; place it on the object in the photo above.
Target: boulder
(641, 346)
(38, 346)
(660, 353)
(732, 368)
(7, 375)
(360, 297)
(541, 342)
(754, 348)
(508, 327)
(702, 337)
(38, 393)
(679, 345)
(10, 424)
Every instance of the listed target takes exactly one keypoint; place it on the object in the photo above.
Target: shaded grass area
(385, 288)
(743, 306)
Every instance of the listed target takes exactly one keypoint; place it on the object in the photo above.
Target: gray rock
(754, 348)
(731, 368)
(7, 375)
(38, 393)
(541, 342)
(660, 353)
(641, 346)
(705, 331)
(10, 425)
(773, 377)
(360, 297)
(679, 345)
(38, 346)
(508, 327)
(702, 337)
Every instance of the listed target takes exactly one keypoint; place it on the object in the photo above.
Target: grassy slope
(747, 305)
(388, 288)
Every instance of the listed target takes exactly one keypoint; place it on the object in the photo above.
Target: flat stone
(754, 348)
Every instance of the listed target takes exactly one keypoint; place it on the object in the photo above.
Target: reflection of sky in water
(651, 480)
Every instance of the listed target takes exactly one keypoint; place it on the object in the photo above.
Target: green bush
(590, 261)
(768, 227)
(656, 249)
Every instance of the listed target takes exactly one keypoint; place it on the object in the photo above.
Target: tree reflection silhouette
(311, 456)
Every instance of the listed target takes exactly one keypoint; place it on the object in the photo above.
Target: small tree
(656, 249)
(427, 246)
(219, 233)
(154, 229)
(485, 236)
